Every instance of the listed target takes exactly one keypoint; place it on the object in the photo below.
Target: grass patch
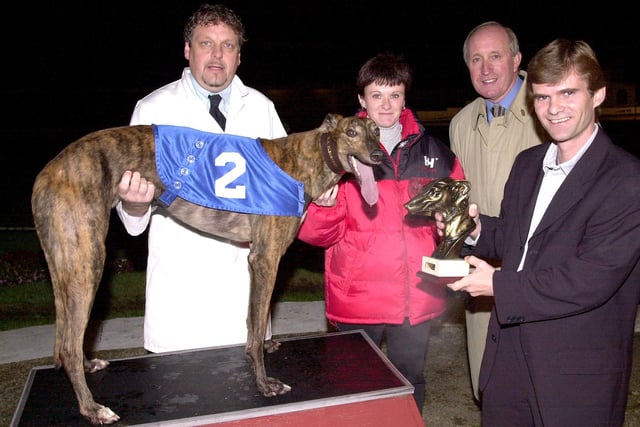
(32, 305)
(123, 295)
(27, 300)
(301, 285)
(22, 306)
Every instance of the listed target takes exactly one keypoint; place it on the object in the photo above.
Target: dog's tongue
(368, 185)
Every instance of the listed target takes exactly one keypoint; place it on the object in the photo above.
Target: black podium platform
(336, 377)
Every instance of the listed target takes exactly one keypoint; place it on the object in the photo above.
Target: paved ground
(288, 318)
(37, 341)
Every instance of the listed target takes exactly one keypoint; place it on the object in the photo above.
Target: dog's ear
(330, 122)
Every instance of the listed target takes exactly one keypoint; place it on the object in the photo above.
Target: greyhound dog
(75, 192)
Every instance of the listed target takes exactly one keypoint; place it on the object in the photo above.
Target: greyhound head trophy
(450, 198)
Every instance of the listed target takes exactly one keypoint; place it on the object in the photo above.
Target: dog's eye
(435, 193)
(351, 133)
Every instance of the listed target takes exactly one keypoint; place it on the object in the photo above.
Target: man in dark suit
(559, 345)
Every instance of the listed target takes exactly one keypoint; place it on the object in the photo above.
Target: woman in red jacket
(374, 253)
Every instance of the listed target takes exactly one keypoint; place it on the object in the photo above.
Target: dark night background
(75, 67)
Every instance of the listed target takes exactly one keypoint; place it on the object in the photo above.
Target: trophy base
(445, 267)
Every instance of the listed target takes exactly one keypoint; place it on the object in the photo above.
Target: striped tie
(497, 110)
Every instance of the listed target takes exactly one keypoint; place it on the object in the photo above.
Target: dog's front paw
(100, 415)
(271, 345)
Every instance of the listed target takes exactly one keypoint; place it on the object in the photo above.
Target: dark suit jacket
(573, 305)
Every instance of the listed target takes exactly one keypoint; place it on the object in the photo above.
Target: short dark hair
(384, 69)
(211, 15)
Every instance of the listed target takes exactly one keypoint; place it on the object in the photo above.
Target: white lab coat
(197, 290)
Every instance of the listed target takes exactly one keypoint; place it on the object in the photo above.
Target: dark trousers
(406, 348)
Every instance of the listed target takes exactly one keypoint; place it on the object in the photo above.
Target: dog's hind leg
(72, 231)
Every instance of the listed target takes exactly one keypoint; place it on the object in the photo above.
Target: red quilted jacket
(374, 253)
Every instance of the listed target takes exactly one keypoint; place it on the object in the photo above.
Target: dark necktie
(497, 110)
(215, 111)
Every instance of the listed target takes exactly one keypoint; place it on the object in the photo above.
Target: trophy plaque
(450, 198)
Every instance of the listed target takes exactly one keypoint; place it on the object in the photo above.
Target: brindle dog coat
(76, 191)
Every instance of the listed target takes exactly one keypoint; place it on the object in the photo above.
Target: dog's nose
(376, 156)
